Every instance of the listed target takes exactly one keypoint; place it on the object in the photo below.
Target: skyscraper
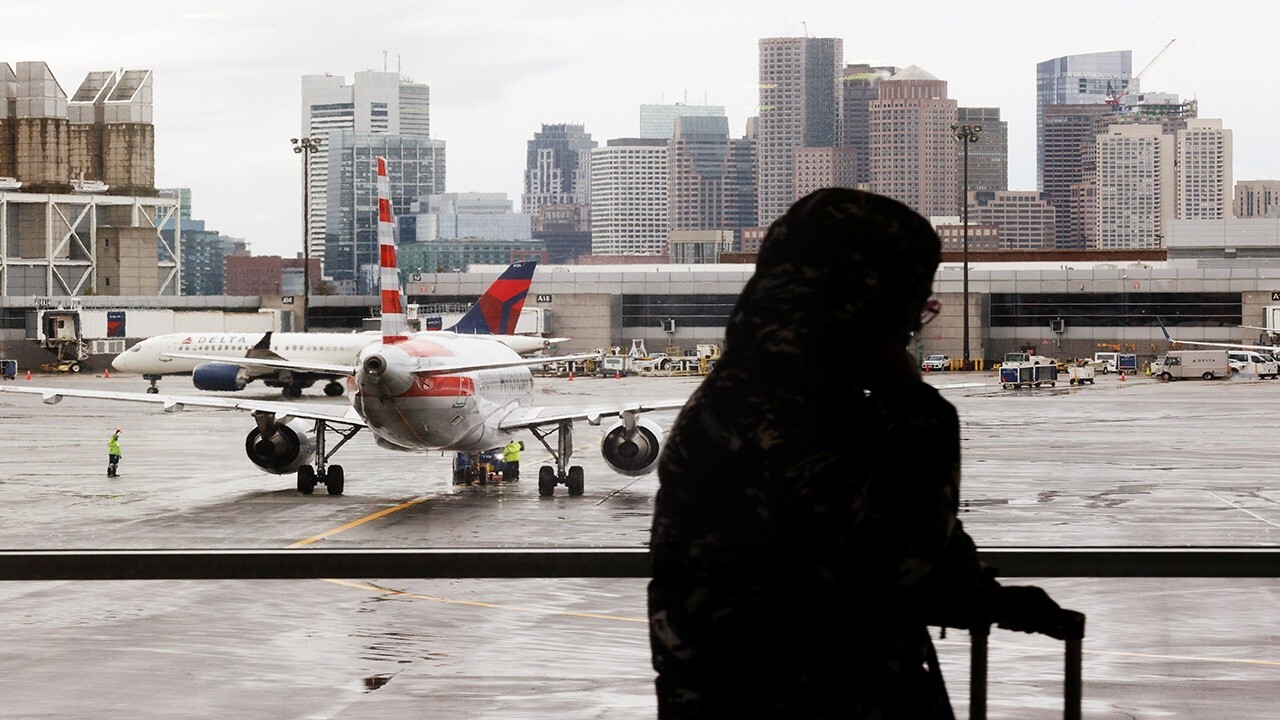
(557, 169)
(861, 86)
(989, 156)
(1068, 137)
(801, 98)
(1203, 171)
(912, 147)
(629, 214)
(1135, 187)
(415, 168)
(1078, 80)
(711, 183)
(380, 103)
(659, 121)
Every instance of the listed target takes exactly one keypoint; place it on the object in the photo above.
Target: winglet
(1163, 329)
(395, 327)
(498, 309)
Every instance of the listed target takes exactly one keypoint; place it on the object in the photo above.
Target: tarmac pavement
(1134, 462)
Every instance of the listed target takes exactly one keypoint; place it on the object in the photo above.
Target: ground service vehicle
(1249, 362)
(1181, 364)
(1116, 362)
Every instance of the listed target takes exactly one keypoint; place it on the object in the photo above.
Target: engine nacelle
(219, 376)
(291, 446)
(634, 455)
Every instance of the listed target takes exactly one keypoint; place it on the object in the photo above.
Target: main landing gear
(571, 476)
(153, 379)
(333, 388)
(331, 476)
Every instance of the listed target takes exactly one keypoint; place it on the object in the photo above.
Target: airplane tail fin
(498, 309)
(394, 325)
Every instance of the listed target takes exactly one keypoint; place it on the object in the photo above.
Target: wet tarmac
(1133, 462)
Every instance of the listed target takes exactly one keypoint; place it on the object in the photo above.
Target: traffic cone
(1122, 377)
(106, 373)
(570, 374)
(617, 375)
(28, 374)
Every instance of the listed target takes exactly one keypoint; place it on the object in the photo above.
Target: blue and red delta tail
(394, 326)
(498, 310)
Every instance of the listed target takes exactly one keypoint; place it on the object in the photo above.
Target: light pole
(966, 134)
(304, 147)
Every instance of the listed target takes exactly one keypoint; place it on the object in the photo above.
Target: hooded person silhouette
(805, 530)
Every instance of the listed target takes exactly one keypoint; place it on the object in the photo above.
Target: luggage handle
(1073, 660)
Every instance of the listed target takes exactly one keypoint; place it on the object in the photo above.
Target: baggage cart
(8, 369)
(1020, 375)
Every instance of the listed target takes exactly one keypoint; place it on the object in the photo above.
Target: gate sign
(1275, 296)
(115, 324)
(544, 298)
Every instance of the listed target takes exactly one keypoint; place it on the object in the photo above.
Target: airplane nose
(120, 362)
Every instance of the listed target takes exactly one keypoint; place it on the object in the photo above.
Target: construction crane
(1115, 96)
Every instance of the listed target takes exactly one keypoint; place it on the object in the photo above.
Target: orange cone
(617, 375)
(1121, 377)
(570, 374)
(106, 373)
(28, 374)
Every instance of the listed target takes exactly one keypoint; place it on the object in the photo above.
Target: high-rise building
(1203, 171)
(1025, 220)
(801, 98)
(629, 213)
(1087, 79)
(819, 167)
(989, 156)
(415, 168)
(711, 184)
(378, 103)
(1135, 178)
(1068, 137)
(1257, 199)
(457, 216)
(913, 153)
(659, 121)
(557, 167)
(861, 86)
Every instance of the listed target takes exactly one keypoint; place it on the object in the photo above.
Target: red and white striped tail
(394, 326)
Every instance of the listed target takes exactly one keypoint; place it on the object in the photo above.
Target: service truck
(1181, 364)
(1251, 362)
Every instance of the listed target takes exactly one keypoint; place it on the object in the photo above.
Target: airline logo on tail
(395, 327)
(498, 310)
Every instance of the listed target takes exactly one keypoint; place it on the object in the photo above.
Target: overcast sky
(227, 75)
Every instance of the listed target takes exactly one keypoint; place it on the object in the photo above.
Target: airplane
(426, 391)
(224, 361)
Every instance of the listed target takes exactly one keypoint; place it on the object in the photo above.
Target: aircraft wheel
(575, 481)
(546, 480)
(334, 479)
(153, 390)
(291, 391)
(306, 479)
(333, 389)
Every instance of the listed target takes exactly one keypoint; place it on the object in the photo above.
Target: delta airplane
(229, 361)
(429, 391)
(1265, 349)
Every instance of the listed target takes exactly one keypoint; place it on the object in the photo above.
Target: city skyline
(228, 75)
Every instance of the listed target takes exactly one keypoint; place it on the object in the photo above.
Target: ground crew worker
(113, 453)
(511, 457)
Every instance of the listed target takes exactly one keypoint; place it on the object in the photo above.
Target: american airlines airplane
(225, 361)
(429, 391)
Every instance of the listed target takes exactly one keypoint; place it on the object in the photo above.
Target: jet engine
(219, 376)
(634, 453)
(283, 448)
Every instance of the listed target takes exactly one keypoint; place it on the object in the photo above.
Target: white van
(1251, 362)
(1178, 364)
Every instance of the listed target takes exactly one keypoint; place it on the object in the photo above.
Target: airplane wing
(1206, 343)
(524, 418)
(441, 366)
(177, 403)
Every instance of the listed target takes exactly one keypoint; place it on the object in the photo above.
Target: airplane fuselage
(456, 411)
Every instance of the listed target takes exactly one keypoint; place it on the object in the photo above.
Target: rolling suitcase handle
(1072, 681)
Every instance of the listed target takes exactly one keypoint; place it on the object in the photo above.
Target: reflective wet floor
(1134, 462)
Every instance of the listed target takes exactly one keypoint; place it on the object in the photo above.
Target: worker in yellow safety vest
(511, 458)
(113, 453)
